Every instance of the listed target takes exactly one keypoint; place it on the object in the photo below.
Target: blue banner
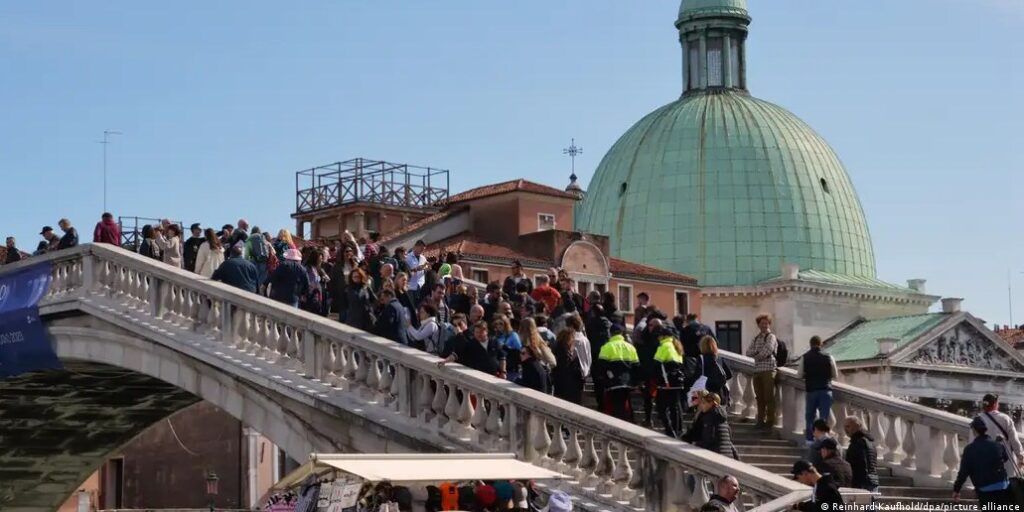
(24, 342)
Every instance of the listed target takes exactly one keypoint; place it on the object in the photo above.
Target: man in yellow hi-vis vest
(618, 367)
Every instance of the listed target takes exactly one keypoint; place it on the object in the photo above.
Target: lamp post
(211, 487)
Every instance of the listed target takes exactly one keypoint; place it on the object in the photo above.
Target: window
(693, 56)
(601, 287)
(682, 303)
(373, 222)
(824, 185)
(714, 46)
(479, 275)
(729, 334)
(626, 298)
(545, 221)
(583, 288)
(622, 189)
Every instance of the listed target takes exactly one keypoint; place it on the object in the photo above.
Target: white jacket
(171, 248)
(207, 260)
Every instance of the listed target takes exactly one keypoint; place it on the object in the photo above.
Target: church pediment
(965, 347)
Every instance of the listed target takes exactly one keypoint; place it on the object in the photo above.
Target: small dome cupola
(713, 34)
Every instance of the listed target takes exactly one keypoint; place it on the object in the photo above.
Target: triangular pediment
(963, 346)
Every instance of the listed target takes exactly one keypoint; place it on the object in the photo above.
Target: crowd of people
(544, 335)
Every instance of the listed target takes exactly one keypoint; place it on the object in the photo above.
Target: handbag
(1016, 489)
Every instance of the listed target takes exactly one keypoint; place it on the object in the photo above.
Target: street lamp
(211, 487)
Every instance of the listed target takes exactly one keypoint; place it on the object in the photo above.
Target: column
(727, 61)
(703, 56)
(299, 225)
(360, 224)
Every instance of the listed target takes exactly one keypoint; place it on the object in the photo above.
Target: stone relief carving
(965, 347)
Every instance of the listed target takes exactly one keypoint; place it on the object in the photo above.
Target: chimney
(886, 346)
(916, 284)
(790, 271)
(951, 305)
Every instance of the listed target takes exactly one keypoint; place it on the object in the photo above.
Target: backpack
(258, 251)
(781, 353)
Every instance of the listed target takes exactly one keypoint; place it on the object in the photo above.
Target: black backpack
(781, 353)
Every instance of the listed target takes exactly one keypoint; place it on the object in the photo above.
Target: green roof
(693, 6)
(861, 341)
(817, 276)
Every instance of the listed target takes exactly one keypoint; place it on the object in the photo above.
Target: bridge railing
(613, 463)
(914, 440)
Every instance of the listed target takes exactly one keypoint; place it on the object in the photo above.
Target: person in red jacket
(546, 294)
(107, 231)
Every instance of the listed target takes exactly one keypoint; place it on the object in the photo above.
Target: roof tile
(519, 185)
(861, 341)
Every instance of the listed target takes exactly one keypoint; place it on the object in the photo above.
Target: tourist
(572, 361)
(830, 463)
(452, 260)
(1001, 428)
(440, 302)
(817, 369)
(598, 330)
(546, 294)
(543, 323)
(715, 433)
(107, 231)
(669, 379)
(825, 494)
(476, 314)
(405, 297)
(426, 336)
(861, 454)
(529, 335)
(42, 248)
(457, 343)
(391, 319)
(482, 353)
(691, 331)
(535, 374)
(647, 341)
(400, 259)
(210, 255)
(288, 283)
(726, 492)
(491, 300)
(522, 301)
(617, 368)
(643, 306)
(572, 301)
(715, 369)
(147, 246)
(611, 308)
(418, 265)
(51, 239)
(226, 232)
(386, 277)
(258, 251)
(70, 237)
(820, 431)
(693, 431)
(762, 350)
(509, 340)
(238, 271)
(240, 235)
(283, 243)
(983, 461)
(518, 276)
(314, 300)
(358, 301)
(169, 242)
(190, 252)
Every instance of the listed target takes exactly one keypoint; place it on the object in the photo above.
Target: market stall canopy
(410, 468)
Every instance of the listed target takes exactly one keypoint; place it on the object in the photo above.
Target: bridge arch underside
(57, 427)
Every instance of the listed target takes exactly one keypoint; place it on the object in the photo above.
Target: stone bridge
(141, 340)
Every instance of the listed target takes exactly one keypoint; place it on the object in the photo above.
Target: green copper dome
(692, 6)
(726, 187)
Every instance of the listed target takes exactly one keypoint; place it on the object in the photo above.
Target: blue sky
(221, 102)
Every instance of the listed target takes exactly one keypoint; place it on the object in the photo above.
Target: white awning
(411, 468)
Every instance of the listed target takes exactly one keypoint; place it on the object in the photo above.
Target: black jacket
(358, 303)
(982, 462)
(13, 256)
(690, 337)
(645, 350)
(718, 374)
(509, 286)
(840, 470)
(826, 491)
(289, 283)
(863, 457)
(535, 376)
(69, 240)
(191, 251)
(480, 358)
(238, 272)
(391, 322)
(597, 328)
(409, 304)
(817, 370)
(710, 430)
(149, 249)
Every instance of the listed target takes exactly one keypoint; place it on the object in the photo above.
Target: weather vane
(573, 151)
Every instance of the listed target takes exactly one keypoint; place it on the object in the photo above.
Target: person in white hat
(288, 283)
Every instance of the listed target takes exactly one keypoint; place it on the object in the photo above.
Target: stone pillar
(686, 64)
(727, 61)
(300, 228)
(703, 67)
(360, 225)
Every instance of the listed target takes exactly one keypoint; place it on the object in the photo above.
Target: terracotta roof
(425, 221)
(473, 248)
(1013, 336)
(519, 185)
(622, 268)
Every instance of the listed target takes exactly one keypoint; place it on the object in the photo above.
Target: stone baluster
(605, 469)
(479, 420)
(426, 396)
(192, 309)
(267, 339)
(204, 323)
(334, 364)
(587, 474)
(792, 411)
(396, 388)
(635, 491)
(909, 448)
(842, 414)
(239, 330)
(465, 415)
(540, 441)
(352, 364)
(385, 381)
(371, 390)
(279, 345)
(120, 281)
(892, 441)
(451, 409)
(439, 402)
(951, 457)
(736, 396)
(748, 393)
(622, 475)
(494, 424)
(557, 448)
(875, 426)
(681, 493)
(363, 368)
(145, 284)
(573, 454)
(293, 350)
(104, 278)
(214, 318)
(699, 496)
(929, 443)
(505, 431)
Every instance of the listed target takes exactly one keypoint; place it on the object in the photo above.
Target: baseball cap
(800, 466)
(45, 229)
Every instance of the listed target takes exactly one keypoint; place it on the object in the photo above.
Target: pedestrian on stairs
(715, 432)
(825, 495)
(821, 432)
(1002, 430)
(982, 462)
(861, 454)
(817, 369)
(669, 377)
(832, 464)
(726, 492)
(618, 367)
(762, 349)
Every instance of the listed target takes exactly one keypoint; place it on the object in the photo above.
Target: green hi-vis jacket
(670, 362)
(618, 363)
